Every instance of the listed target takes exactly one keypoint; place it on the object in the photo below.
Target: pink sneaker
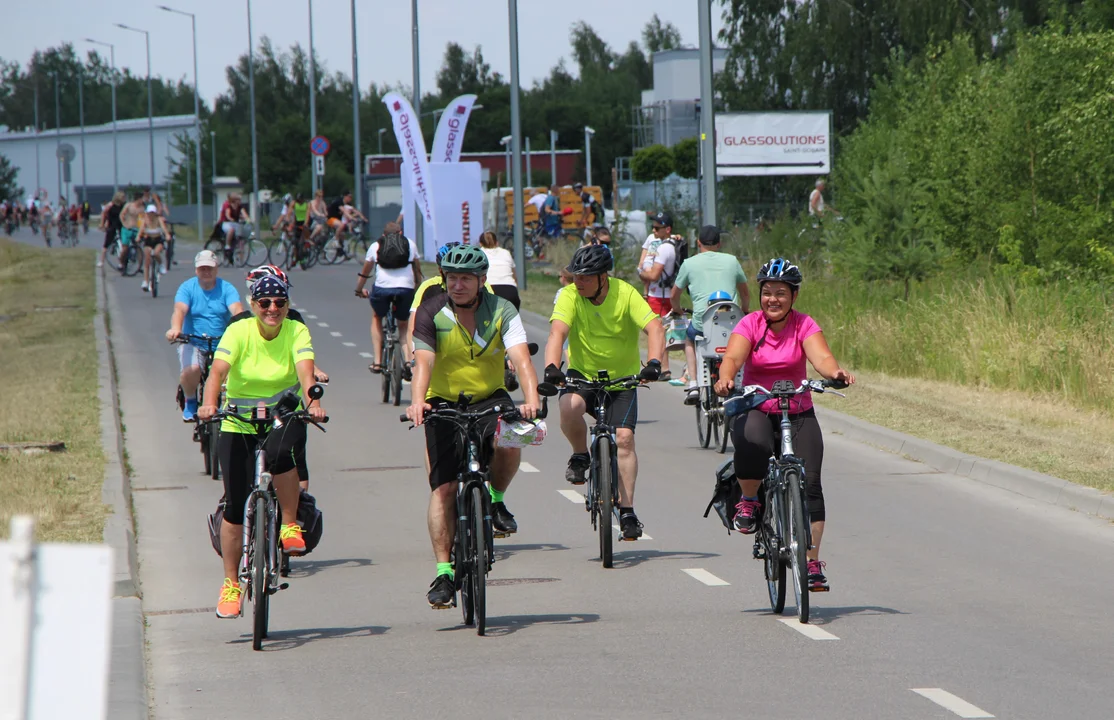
(746, 516)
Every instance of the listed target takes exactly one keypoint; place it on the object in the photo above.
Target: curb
(127, 692)
(1027, 483)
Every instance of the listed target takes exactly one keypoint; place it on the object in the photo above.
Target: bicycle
(602, 496)
(392, 360)
(245, 249)
(719, 320)
(784, 535)
(130, 264)
(260, 562)
(203, 433)
(353, 243)
(473, 551)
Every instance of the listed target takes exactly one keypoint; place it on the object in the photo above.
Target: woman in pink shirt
(772, 344)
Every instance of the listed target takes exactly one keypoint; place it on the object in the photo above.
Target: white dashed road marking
(348, 344)
(334, 333)
(950, 702)
(644, 535)
(572, 496)
(705, 577)
(320, 324)
(365, 355)
(809, 631)
(311, 317)
(527, 467)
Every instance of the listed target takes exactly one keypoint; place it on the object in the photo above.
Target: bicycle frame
(261, 489)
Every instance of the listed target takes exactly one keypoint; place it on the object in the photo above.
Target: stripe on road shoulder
(572, 496)
(365, 355)
(952, 703)
(321, 324)
(334, 333)
(527, 467)
(311, 317)
(809, 631)
(705, 577)
(349, 344)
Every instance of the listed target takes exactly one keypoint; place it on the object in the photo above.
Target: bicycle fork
(270, 558)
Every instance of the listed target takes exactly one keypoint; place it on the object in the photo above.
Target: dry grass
(50, 365)
(1040, 432)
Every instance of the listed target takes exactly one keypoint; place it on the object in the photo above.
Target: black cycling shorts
(109, 238)
(621, 405)
(445, 444)
(237, 463)
(754, 437)
(153, 242)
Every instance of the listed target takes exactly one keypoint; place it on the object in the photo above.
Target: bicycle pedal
(283, 586)
(819, 589)
(499, 535)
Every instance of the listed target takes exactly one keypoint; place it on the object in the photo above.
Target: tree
(461, 73)
(652, 164)
(686, 158)
(657, 36)
(9, 190)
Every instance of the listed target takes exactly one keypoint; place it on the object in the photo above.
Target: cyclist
(153, 231)
(232, 213)
(286, 215)
(110, 223)
(46, 220)
(434, 286)
(772, 344)
(318, 215)
(398, 269)
(501, 273)
(551, 216)
(462, 338)
(341, 214)
(709, 271)
(260, 360)
(203, 305)
(601, 318)
(129, 224)
(86, 212)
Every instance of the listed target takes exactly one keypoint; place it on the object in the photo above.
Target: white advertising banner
(408, 132)
(773, 143)
(449, 137)
(458, 207)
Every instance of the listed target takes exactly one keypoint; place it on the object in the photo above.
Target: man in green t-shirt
(602, 317)
(707, 272)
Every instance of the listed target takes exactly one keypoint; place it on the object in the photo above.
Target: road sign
(65, 152)
(319, 165)
(319, 146)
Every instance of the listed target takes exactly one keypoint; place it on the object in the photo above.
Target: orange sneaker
(230, 599)
(291, 537)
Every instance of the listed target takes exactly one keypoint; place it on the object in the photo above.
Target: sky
(383, 30)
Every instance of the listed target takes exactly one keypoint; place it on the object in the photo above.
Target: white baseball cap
(152, 208)
(205, 258)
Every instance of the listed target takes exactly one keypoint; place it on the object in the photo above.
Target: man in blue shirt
(203, 305)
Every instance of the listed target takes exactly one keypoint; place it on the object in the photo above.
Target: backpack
(681, 253)
(394, 251)
(309, 517)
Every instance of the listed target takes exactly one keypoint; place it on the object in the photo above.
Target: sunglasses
(655, 228)
(265, 303)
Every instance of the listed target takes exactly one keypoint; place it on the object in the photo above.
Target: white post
(19, 602)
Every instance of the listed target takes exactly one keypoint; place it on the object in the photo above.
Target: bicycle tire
(773, 566)
(112, 256)
(724, 427)
(797, 540)
(703, 419)
(396, 376)
(155, 277)
(253, 253)
(214, 451)
(462, 568)
(281, 254)
(216, 246)
(605, 488)
(332, 251)
(206, 456)
(310, 255)
(259, 594)
(479, 559)
(384, 370)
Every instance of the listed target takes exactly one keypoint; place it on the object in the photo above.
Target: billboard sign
(773, 143)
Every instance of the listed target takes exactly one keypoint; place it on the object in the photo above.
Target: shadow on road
(633, 558)
(502, 552)
(821, 615)
(292, 639)
(509, 624)
(309, 568)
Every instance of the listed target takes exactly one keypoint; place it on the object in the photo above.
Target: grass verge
(50, 363)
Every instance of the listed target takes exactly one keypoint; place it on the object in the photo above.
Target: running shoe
(292, 542)
(501, 519)
(746, 516)
(442, 593)
(579, 463)
(629, 527)
(817, 582)
(229, 605)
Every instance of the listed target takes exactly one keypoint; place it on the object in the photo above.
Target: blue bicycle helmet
(720, 296)
(444, 250)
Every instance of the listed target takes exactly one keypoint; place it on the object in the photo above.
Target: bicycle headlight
(473, 466)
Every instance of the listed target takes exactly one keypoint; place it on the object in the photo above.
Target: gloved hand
(651, 372)
(553, 375)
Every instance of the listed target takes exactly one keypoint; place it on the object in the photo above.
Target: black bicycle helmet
(591, 260)
(465, 259)
(780, 270)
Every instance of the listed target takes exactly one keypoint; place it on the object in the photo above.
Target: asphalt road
(986, 603)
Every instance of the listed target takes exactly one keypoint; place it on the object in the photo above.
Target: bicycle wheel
(112, 256)
(478, 571)
(282, 255)
(332, 251)
(797, 540)
(463, 567)
(216, 246)
(214, 451)
(206, 456)
(605, 488)
(309, 255)
(723, 428)
(385, 369)
(258, 563)
(396, 375)
(773, 566)
(251, 253)
(703, 419)
(155, 276)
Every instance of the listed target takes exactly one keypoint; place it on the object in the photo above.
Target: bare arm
(176, 319)
(738, 350)
(655, 334)
(520, 357)
(653, 274)
(417, 265)
(236, 308)
(675, 299)
(217, 375)
(419, 385)
(365, 273)
(820, 355)
(554, 347)
(744, 296)
(305, 370)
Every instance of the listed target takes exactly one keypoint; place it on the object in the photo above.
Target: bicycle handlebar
(623, 383)
(785, 389)
(277, 421)
(508, 414)
(184, 338)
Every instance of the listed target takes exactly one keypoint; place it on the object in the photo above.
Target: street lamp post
(254, 146)
(150, 102)
(588, 133)
(312, 100)
(57, 134)
(553, 154)
(115, 156)
(419, 228)
(707, 114)
(213, 179)
(196, 112)
(38, 178)
(516, 147)
(529, 170)
(357, 175)
(81, 119)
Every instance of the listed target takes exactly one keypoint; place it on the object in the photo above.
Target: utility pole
(357, 174)
(529, 170)
(115, 144)
(254, 145)
(553, 156)
(707, 114)
(516, 149)
(588, 133)
(312, 99)
(419, 230)
(81, 118)
(57, 133)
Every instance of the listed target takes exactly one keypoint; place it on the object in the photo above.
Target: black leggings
(509, 293)
(237, 463)
(754, 437)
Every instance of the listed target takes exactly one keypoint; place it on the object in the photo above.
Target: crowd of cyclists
(465, 341)
(66, 221)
